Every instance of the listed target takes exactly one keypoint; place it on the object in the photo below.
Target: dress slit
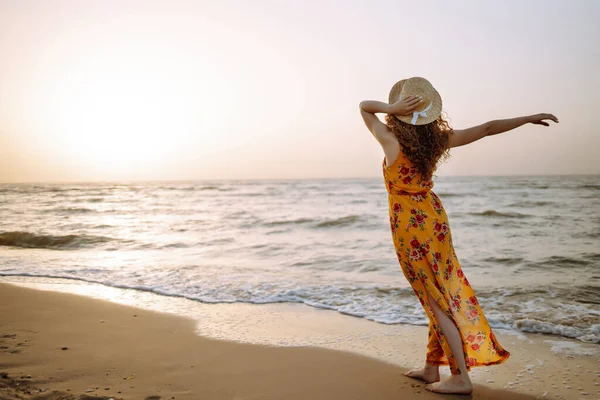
(454, 366)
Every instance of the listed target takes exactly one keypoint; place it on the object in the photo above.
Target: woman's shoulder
(393, 151)
(395, 156)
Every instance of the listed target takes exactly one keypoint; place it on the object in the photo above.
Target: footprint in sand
(8, 336)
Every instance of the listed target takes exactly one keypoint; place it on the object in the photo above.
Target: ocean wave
(446, 194)
(561, 260)
(498, 214)
(250, 194)
(504, 260)
(276, 232)
(191, 188)
(531, 203)
(592, 256)
(177, 245)
(339, 222)
(528, 184)
(42, 189)
(89, 200)
(56, 242)
(539, 186)
(69, 210)
(594, 187)
(55, 189)
(535, 326)
(594, 234)
(298, 221)
(585, 294)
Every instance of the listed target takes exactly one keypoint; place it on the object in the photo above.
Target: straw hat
(426, 112)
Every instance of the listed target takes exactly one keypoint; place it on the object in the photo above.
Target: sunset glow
(194, 90)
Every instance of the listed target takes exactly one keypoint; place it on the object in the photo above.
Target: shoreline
(189, 307)
(293, 331)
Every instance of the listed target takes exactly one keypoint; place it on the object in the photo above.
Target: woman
(415, 138)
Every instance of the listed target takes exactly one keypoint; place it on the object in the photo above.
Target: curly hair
(425, 146)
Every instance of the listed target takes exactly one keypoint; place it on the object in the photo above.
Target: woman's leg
(457, 383)
(431, 371)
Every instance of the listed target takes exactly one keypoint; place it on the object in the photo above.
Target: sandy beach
(65, 346)
(266, 200)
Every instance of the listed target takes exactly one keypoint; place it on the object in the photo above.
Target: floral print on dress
(473, 313)
(416, 220)
(405, 179)
(409, 272)
(437, 204)
(441, 230)
(423, 242)
(476, 340)
(455, 303)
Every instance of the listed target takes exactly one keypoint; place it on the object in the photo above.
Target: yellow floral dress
(423, 243)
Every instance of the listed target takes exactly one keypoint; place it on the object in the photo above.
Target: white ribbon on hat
(417, 114)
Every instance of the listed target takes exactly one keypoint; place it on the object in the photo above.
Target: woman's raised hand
(538, 119)
(405, 106)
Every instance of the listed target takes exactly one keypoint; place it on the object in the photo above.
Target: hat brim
(417, 86)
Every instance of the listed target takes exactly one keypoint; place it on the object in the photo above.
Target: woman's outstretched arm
(470, 135)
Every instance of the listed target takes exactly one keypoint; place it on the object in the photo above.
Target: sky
(235, 89)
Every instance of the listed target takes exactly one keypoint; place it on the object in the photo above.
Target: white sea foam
(572, 348)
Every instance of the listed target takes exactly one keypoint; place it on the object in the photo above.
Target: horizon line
(33, 182)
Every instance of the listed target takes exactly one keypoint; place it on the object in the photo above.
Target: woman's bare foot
(429, 374)
(454, 384)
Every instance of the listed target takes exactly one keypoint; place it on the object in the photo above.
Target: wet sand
(63, 346)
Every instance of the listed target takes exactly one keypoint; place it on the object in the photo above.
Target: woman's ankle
(462, 377)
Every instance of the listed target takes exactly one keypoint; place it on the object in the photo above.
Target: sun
(115, 123)
(118, 111)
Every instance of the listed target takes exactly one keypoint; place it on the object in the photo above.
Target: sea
(530, 245)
